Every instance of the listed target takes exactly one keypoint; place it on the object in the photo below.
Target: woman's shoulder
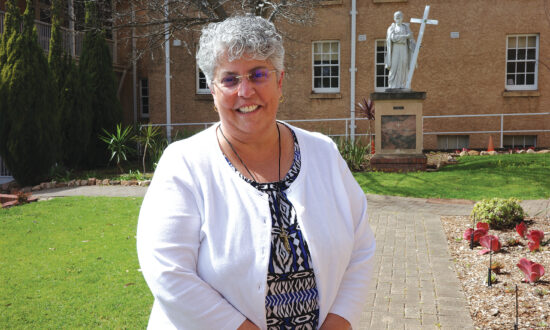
(197, 146)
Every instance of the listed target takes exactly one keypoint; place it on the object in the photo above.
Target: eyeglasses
(232, 81)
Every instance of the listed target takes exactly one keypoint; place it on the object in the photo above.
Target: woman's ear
(280, 82)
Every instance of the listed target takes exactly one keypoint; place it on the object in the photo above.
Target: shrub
(498, 212)
(353, 153)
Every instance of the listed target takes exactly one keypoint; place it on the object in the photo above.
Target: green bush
(499, 213)
(353, 153)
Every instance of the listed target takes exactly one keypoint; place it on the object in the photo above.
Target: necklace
(283, 234)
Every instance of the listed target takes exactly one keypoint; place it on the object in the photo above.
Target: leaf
(491, 242)
(483, 225)
(128, 284)
(532, 270)
(520, 229)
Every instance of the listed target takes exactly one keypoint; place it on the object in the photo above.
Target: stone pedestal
(398, 127)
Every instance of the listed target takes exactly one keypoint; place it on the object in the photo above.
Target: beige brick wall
(461, 76)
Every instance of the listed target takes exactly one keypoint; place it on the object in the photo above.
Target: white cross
(424, 21)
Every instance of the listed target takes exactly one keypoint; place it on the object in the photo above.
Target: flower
(520, 229)
(532, 270)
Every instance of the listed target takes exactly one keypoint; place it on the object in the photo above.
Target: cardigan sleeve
(352, 293)
(168, 241)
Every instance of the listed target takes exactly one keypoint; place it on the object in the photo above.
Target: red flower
(532, 270)
(535, 237)
(521, 228)
(491, 242)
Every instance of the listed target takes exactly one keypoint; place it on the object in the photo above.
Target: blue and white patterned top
(292, 298)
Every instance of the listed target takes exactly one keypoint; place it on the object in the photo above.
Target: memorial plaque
(398, 132)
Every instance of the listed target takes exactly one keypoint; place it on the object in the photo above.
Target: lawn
(71, 263)
(525, 176)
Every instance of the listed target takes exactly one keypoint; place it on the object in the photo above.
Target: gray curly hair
(235, 37)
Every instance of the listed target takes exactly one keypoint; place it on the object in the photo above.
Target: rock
(105, 182)
(473, 153)
(125, 183)
(26, 189)
(114, 182)
(144, 183)
(91, 181)
(36, 188)
(61, 185)
(463, 153)
(5, 187)
(43, 185)
(521, 151)
(71, 183)
(492, 153)
(83, 182)
(133, 182)
(77, 183)
(530, 151)
(484, 153)
(545, 151)
(494, 311)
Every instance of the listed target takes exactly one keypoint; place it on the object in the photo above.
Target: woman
(253, 223)
(400, 47)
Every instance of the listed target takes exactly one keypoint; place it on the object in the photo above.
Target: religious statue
(400, 46)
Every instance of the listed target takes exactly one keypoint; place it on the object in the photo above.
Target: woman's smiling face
(251, 105)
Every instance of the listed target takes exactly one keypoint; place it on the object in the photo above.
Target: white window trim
(200, 90)
(376, 88)
(325, 90)
(144, 115)
(522, 87)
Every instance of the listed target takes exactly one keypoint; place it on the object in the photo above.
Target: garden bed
(494, 307)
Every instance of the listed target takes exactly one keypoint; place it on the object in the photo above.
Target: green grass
(71, 263)
(524, 176)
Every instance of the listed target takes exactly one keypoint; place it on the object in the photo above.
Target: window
(449, 142)
(144, 97)
(326, 67)
(380, 71)
(519, 141)
(522, 55)
(202, 86)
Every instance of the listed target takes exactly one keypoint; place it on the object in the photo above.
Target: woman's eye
(229, 80)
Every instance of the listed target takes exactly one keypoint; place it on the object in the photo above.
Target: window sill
(203, 97)
(325, 95)
(520, 93)
(330, 2)
(382, 1)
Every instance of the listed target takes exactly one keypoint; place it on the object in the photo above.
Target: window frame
(142, 97)
(524, 87)
(327, 90)
(386, 71)
(518, 137)
(199, 90)
(455, 137)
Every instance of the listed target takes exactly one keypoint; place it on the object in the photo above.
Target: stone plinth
(399, 134)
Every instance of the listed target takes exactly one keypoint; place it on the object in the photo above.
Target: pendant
(284, 236)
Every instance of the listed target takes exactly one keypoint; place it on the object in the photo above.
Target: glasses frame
(240, 79)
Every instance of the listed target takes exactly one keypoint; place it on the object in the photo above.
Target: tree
(150, 17)
(99, 81)
(29, 141)
(72, 98)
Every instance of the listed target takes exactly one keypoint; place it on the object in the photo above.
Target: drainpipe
(167, 77)
(352, 69)
(134, 68)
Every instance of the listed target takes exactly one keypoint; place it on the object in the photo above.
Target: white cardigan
(204, 235)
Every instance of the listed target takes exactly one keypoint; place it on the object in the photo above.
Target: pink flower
(520, 229)
(532, 270)
(535, 237)
(491, 243)
(478, 233)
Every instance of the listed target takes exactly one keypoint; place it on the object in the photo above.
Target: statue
(400, 46)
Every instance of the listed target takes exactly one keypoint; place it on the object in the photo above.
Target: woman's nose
(246, 88)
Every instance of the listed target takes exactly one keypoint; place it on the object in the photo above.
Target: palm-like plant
(148, 136)
(118, 144)
(366, 108)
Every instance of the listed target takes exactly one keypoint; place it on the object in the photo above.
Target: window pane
(317, 47)
(521, 54)
(511, 42)
(510, 79)
(380, 70)
(520, 79)
(326, 58)
(522, 42)
(511, 67)
(532, 41)
(317, 58)
(326, 71)
(326, 47)
(511, 54)
(334, 71)
(530, 67)
(380, 58)
(520, 67)
(530, 79)
(317, 83)
(317, 71)
(334, 82)
(326, 82)
(380, 82)
(531, 54)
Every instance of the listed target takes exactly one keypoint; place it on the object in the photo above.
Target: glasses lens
(259, 76)
(229, 81)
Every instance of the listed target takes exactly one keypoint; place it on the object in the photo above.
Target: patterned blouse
(292, 298)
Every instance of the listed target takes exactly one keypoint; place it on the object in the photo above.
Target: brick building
(483, 69)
